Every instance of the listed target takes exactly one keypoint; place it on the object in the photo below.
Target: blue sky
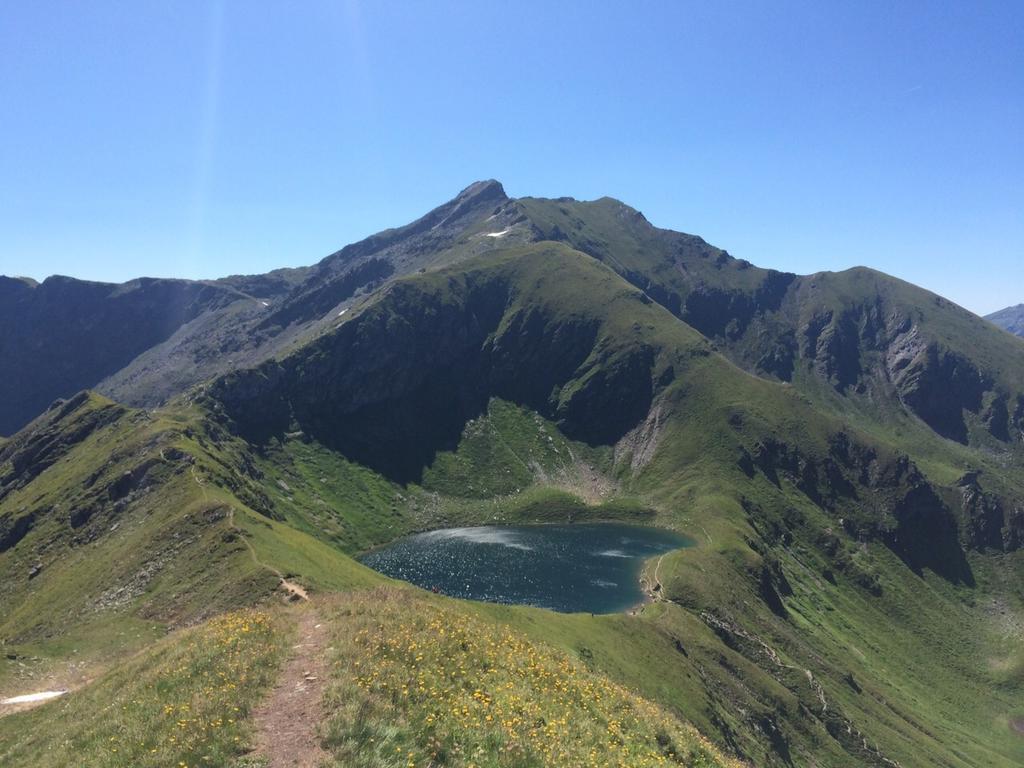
(202, 139)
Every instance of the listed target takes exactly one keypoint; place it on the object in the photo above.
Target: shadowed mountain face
(397, 382)
(1010, 319)
(64, 335)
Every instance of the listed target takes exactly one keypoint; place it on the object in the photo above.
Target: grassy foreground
(421, 683)
(182, 703)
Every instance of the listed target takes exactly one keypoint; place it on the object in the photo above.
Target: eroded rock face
(867, 350)
(865, 334)
(989, 520)
(996, 417)
(874, 497)
(938, 385)
(887, 498)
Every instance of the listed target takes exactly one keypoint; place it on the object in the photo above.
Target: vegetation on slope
(787, 497)
(183, 702)
(116, 524)
(856, 340)
(423, 684)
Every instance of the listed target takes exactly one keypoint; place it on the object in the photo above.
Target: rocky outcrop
(368, 263)
(868, 349)
(716, 310)
(990, 521)
(874, 497)
(14, 528)
(937, 384)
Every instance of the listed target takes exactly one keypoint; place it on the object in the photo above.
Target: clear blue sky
(202, 139)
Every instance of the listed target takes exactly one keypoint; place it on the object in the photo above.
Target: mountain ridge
(1009, 319)
(756, 314)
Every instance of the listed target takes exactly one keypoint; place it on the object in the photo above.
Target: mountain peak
(488, 189)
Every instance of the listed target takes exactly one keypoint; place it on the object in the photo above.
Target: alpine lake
(591, 568)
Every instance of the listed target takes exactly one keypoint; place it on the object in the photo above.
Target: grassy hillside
(116, 524)
(181, 702)
(432, 683)
(857, 341)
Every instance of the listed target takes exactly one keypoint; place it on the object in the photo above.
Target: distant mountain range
(1011, 318)
(846, 450)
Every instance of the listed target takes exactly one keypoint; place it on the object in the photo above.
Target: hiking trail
(287, 720)
(294, 591)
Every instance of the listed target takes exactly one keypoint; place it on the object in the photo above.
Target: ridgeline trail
(294, 591)
(287, 720)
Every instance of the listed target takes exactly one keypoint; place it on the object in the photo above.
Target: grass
(421, 684)
(183, 702)
(75, 655)
(321, 493)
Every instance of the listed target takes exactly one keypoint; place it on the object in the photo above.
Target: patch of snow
(30, 697)
(498, 234)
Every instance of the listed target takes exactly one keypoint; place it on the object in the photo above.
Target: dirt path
(286, 722)
(293, 590)
(651, 584)
(657, 580)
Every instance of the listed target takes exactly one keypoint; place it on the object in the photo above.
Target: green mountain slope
(854, 599)
(877, 344)
(144, 341)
